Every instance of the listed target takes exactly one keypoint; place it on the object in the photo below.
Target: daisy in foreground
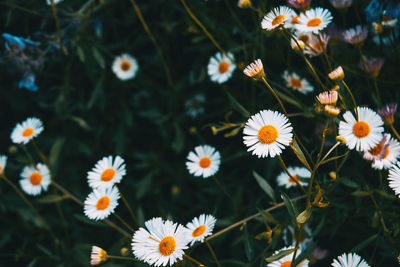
(314, 20)
(34, 180)
(161, 243)
(284, 179)
(349, 260)
(26, 130)
(204, 161)
(200, 227)
(287, 260)
(363, 134)
(220, 67)
(106, 173)
(267, 133)
(125, 67)
(394, 178)
(294, 81)
(278, 16)
(3, 163)
(101, 203)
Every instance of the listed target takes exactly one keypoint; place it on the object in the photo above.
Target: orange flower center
(304, 38)
(167, 246)
(375, 151)
(205, 162)
(223, 67)
(361, 129)
(35, 178)
(27, 132)
(108, 175)
(125, 65)
(296, 83)
(267, 134)
(294, 180)
(278, 20)
(103, 203)
(314, 22)
(1, 167)
(286, 264)
(199, 231)
(386, 153)
(295, 19)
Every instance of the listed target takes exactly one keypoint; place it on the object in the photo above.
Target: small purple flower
(299, 4)
(355, 35)
(319, 253)
(387, 113)
(372, 65)
(28, 81)
(15, 40)
(341, 3)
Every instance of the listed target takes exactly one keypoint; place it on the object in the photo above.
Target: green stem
(352, 97)
(41, 155)
(128, 207)
(394, 131)
(122, 258)
(193, 260)
(54, 10)
(212, 253)
(290, 175)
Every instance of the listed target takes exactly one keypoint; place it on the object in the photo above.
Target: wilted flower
(299, 4)
(341, 3)
(372, 65)
(244, 3)
(328, 98)
(332, 110)
(98, 255)
(387, 113)
(355, 35)
(255, 70)
(337, 74)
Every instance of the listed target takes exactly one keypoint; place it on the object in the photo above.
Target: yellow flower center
(125, 65)
(314, 22)
(103, 203)
(286, 264)
(361, 129)
(35, 178)
(108, 175)
(294, 180)
(27, 132)
(223, 67)
(278, 20)
(375, 151)
(205, 162)
(296, 83)
(1, 167)
(295, 19)
(267, 134)
(386, 153)
(167, 246)
(199, 231)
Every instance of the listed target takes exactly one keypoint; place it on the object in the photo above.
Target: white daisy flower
(3, 163)
(34, 180)
(389, 155)
(98, 255)
(106, 173)
(291, 236)
(287, 260)
(363, 134)
(349, 260)
(162, 243)
(125, 67)
(314, 20)
(195, 105)
(200, 227)
(284, 179)
(278, 16)
(54, 1)
(26, 130)
(101, 203)
(394, 178)
(355, 35)
(204, 161)
(316, 45)
(294, 81)
(220, 67)
(267, 133)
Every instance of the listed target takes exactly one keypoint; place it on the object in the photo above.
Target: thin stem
(193, 260)
(122, 258)
(352, 97)
(123, 222)
(223, 189)
(377, 91)
(394, 131)
(41, 155)
(330, 150)
(294, 253)
(128, 207)
(275, 95)
(290, 175)
(241, 222)
(212, 253)
(378, 209)
(30, 158)
(54, 10)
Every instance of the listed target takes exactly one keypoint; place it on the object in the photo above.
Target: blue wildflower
(374, 11)
(15, 40)
(392, 10)
(28, 81)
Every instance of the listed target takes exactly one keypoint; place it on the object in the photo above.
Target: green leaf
(55, 150)
(361, 193)
(178, 143)
(347, 182)
(290, 207)
(238, 107)
(247, 245)
(96, 93)
(264, 185)
(81, 122)
(364, 243)
(299, 153)
(304, 216)
(98, 57)
(81, 54)
(305, 254)
(290, 100)
(267, 217)
(279, 255)
(51, 198)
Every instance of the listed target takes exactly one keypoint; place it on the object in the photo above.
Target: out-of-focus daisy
(204, 161)
(220, 67)
(355, 35)
(3, 163)
(98, 255)
(316, 45)
(278, 16)
(337, 74)
(255, 70)
(292, 235)
(349, 260)
(328, 98)
(363, 134)
(302, 38)
(101, 203)
(294, 81)
(267, 133)
(299, 4)
(244, 3)
(372, 65)
(34, 180)
(339, 4)
(162, 243)
(125, 67)
(106, 173)
(389, 153)
(314, 20)
(54, 1)
(26, 130)
(284, 179)
(387, 113)
(195, 105)
(287, 260)
(200, 227)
